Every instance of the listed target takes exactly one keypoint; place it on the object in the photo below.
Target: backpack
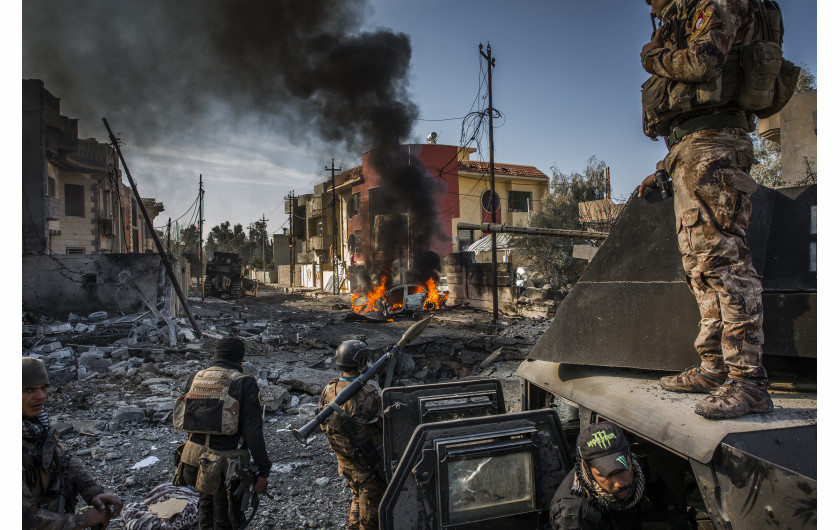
(754, 77)
(768, 80)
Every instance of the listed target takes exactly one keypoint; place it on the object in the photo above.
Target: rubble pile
(114, 379)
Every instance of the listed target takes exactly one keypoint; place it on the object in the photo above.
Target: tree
(187, 243)
(551, 257)
(768, 169)
(224, 239)
(258, 237)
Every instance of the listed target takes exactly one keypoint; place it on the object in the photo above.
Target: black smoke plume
(169, 70)
(162, 68)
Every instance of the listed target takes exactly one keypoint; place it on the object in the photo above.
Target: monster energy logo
(623, 461)
(601, 439)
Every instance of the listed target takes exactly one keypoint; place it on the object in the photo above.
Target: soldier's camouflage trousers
(710, 172)
(364, 508)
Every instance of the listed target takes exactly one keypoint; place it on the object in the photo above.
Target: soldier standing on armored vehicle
(220, 409)
(694, 100)
(354, 432)
(52, 480)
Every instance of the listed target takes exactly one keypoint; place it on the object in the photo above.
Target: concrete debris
(146, 462)
(113, 384)
(128, 414)
(273, 397)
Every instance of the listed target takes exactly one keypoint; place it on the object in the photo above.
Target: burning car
(405, 299)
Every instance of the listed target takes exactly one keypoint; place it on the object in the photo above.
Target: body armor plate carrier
(208, 407)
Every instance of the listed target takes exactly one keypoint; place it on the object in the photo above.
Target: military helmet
(350, 354)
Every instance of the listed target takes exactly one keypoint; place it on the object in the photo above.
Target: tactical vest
(362, 428)
(42, 471)
(208, 407)
(755, 77)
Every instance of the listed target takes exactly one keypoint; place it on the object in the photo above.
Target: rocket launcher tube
(410, 334)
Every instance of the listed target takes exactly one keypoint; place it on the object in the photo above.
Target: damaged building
(401, 214)
(84, 238)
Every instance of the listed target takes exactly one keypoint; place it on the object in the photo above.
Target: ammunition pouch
(209, 467)
(209, 476)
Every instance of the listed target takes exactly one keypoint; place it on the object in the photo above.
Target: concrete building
(795, 129)
(74, 199)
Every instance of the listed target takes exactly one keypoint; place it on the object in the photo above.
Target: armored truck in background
(225, 276)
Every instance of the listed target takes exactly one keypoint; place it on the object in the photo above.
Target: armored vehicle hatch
(495, 472)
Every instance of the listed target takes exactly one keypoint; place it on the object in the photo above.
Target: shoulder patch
(700, 23)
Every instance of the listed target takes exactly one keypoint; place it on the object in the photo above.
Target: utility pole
(201, 235)
(264, 230)
(335, 228)
(292, 240)
(158, 245)
(491, 63)
(168, 234)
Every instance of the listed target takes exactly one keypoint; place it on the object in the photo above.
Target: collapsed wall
(56, 285)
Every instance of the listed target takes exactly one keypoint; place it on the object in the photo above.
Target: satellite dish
(432, 138)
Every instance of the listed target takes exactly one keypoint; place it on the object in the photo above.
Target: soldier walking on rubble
(355, 425)
(52, 480)
(221, 410)
(693, 57)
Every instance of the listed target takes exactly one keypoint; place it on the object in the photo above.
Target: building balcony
(316, 243)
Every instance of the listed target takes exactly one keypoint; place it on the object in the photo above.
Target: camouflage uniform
(40, 507)
(364, 411)
(710, 172)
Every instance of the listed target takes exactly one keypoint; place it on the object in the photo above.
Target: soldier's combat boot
(734, 399)
(693, 380)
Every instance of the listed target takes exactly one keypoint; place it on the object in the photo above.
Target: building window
(353, 205)
(74, 250)
(51, 186)
(74, 200)
(519, 201)
(358, 242)
(133, 213)
(490, 200)
(465, 239)
(107, 204)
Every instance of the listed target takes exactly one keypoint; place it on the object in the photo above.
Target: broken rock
(273, 396)
(124, 414)
(308, 380)
(93, 362)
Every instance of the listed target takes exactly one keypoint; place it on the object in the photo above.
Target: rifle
(410, 334)
(247, 477)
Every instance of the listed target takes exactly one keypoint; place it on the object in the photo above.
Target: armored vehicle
(628, 321)
(225, 277)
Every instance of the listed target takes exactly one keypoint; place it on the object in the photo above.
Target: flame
(374, 294)
(435, 299)
(375, 297)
